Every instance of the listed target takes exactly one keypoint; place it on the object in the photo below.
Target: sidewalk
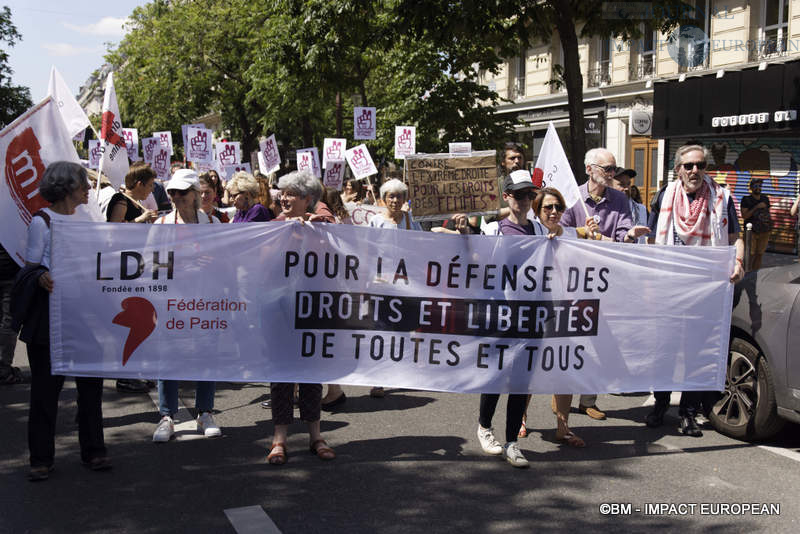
(773, 259)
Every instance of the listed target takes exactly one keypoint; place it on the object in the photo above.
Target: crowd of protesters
(693, 210)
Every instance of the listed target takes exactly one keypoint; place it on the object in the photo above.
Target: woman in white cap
(184, 190)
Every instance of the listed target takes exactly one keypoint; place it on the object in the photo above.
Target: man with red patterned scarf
(693, 210)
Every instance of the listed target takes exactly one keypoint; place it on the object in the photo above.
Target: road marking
(251, 520)
(792, 455)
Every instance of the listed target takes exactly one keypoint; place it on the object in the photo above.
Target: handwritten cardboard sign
(334, 174)
(360, 161)
(269, 158)
(405, 141)
(198, 148)
(440, 185)
(364, 123)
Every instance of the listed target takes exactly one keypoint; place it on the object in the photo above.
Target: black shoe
(132, 385)
(656, 418)
(689, 427)
(328, 406)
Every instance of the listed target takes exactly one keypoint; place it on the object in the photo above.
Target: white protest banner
(405, 141)
(185, 134)
(161, 162)
(149, 146)
(440, 185)
(269, 158)
(553, 169)
(71, 112)
(28, 145)
(165, 138)
(199, 149)
(114, 152)
(360, 161)
(361, 214)
(131, 136)
(460, 149)
(228, 153)
(333, 148)
(229, 170)
(308, 159)
(95, 153)
(364, 123)
(80, 136)
(334, 174)
(331, 303)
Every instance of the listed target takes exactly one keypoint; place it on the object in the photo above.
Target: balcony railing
(599, 77)
(768, 48)
(646, 68)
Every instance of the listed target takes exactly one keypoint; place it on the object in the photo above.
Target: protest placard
(165, 139)
(149, 146)
(131, 136)
(333, 148)
(228, 153)
(360, 161)
(269, 158)
(361, 214)
(229, 170)
(199, 148)
(334, 174)
(405, 141)
(94, 153)
(440, 185)
(185, 133)
(308, 159)
(80, 136)
(330, 303)
(364, 123)
(161, 162)
(460, 149)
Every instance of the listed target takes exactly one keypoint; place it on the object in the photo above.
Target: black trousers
(515, 409)
(689, 405)
(45, 390)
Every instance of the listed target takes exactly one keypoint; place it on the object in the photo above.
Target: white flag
(114, 159)
(71, 112)
(553, 170)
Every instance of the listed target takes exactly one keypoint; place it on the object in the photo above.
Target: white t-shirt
(172, 218)
(379, 221)
(38, 247)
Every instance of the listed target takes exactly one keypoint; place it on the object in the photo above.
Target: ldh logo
(139, 315)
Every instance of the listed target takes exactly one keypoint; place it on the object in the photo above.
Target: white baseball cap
(183, 179)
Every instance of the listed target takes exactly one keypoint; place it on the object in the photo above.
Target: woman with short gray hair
(300, 194)
(64, 184)
(394, 194)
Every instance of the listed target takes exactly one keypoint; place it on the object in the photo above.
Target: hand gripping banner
(291, 302)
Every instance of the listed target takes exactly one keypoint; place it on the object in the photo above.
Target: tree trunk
(308, 132)
(565, 24)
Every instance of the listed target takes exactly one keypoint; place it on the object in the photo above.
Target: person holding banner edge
(693, 210)
(606, 211)
(66, 186)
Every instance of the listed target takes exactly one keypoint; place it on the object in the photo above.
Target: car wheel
(747, 408)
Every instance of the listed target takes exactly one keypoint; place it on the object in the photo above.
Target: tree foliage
(292, 67)
(14, 99)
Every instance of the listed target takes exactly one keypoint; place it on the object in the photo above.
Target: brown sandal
(321, 449)
(571, 439)
(277, 454)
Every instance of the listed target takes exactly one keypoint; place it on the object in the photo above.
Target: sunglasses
(550, 207)
(699, 164)
(519, 195)
(178, 192)
(606, 168)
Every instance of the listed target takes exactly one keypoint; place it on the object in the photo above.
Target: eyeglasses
(527, 193)
(699, 164)
(606, 168)
(550, 207)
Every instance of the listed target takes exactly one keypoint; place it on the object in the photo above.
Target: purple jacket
(256, 213)
(613, 209)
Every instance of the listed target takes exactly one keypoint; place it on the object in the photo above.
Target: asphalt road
(407, 463)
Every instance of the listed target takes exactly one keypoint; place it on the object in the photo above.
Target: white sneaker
(164, 430)
(488, 442)
(513, 455)
(206, 425)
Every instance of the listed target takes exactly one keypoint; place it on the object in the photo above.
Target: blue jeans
(168, 397)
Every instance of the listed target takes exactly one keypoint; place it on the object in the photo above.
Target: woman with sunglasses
(184, 190)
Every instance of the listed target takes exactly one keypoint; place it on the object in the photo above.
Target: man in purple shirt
(609, 214)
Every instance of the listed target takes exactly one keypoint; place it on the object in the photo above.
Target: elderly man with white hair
(693, 210)
(608, 214)
(394, 194)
